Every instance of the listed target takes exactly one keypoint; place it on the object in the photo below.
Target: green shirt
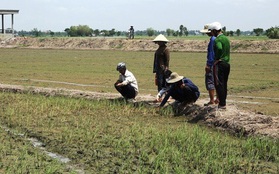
(222, 48)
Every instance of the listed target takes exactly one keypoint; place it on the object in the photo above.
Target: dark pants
(185, 95)
(126, 91)
(221, 76)
(161, 81)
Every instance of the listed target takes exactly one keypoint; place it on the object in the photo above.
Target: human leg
(209, 83)
(221, 87)
(126, 91)
(160, 80)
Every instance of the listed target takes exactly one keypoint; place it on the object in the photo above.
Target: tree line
(86, 31)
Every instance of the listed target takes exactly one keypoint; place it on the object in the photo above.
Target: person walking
(221, 67)
(182, 89)
(161, 61)
(209, 79)
(126, 84)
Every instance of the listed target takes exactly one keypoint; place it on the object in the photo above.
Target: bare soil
(232, 119)
(241, 46)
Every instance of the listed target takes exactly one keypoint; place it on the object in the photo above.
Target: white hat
(215, 26)
(205, 29)
(161, 38)
(174, 77)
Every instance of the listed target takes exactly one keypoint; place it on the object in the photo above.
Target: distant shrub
(273, 33)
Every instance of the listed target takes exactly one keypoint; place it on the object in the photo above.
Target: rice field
(109, 136)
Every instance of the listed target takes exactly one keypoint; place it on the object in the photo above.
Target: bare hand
(119, 84)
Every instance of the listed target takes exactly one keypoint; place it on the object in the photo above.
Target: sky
(57, 15)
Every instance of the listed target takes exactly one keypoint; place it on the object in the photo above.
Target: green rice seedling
(18, 156)
(105, 137)
(251, 74)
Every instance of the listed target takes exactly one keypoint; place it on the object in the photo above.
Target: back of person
(189, 93)
(222, 48)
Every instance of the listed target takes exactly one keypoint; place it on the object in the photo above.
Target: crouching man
(127, 84)
(182, 89)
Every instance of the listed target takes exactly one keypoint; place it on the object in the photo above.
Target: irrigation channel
(38, 144)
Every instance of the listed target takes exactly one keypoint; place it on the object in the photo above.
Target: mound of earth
(232, 119)
(184, 45)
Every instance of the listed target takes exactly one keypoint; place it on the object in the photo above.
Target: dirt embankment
(241, 46)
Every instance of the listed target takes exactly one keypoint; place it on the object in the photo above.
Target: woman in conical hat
(161, 60)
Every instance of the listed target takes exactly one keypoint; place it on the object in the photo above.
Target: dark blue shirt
(210, 52)
(189, 93)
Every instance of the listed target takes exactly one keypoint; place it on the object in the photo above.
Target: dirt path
(232, 119)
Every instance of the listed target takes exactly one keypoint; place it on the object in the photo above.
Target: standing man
(127, 84)
(209, 79)
(131, 32)
(161, 60)
(221, 68)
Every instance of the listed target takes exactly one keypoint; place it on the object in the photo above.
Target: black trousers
(184, 95)
(161, 81)
(221, 75)
(126, 91)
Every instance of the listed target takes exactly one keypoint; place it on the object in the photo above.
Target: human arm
(165, 99)
(161, 93)
(167, 59)
(210, 55)
(127, 78)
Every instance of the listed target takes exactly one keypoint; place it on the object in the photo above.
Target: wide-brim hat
(205, 29)
(160, 38)
(174, 77)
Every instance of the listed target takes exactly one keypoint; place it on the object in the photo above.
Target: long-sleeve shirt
(129, 78)
(222, 48)
(190, 93)
(161, 59)
(210, 52)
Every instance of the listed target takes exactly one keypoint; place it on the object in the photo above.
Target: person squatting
(182, 89)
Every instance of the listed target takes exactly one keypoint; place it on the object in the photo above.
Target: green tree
(81, 30)
(67, 30)
(118, 33)
(273, 32)
(35, 32)
(112, 32)
(238, 32)
(104, 32)
(169, 32)
(185, 31)
(258, 31)
(51, 33)
(150, 31)
(175, 33)
(96, 32)
(224, 30)
(181, 27)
